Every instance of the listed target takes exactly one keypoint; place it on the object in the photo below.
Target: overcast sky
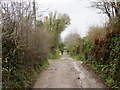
(82, 16)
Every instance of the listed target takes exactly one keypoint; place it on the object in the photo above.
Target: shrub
(105, 56)
(102, 54)
(24, 48)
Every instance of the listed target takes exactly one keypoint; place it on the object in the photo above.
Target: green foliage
(24, 51)
(76, 57)
(61, 47)
(26, 42)
(55, 23)
(54, 56)
(45, 65)
(104, 58)
(20, 64)
(81, 57)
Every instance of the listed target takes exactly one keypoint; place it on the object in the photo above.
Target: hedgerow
(102, 54)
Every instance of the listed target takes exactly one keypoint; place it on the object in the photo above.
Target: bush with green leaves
(103, 54)
(24, 51)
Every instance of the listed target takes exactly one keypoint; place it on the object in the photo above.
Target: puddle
(81, 74)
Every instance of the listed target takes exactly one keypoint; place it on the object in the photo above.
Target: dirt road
(67, 73)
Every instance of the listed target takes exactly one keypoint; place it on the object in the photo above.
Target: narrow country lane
(67, 73)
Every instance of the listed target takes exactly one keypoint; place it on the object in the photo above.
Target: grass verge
(77, 57)
(38, 70)
(56, 56)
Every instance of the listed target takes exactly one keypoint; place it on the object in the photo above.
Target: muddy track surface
(67, 73)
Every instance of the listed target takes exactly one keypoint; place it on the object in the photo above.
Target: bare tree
(111, 9)
(34, 11)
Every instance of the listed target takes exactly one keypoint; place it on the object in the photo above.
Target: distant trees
(55, 23)
(72, 39)
(74, 43)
